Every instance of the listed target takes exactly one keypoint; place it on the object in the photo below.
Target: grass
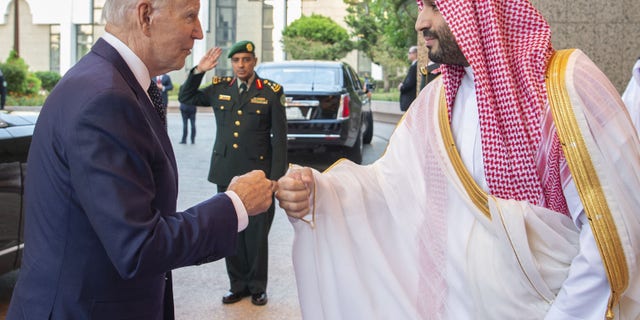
(392, 95)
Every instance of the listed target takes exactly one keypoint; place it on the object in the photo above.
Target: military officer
(251, 133)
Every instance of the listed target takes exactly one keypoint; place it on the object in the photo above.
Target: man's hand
(209, 60)
(294, 190)
(255, 191)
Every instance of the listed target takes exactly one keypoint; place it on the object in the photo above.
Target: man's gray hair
(115, 11)
(413, 49)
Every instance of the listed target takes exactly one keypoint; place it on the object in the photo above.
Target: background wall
(607, 31)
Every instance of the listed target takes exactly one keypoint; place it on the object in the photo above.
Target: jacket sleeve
(191, 94)
(410, 81)
(123, 183)
(167, 84)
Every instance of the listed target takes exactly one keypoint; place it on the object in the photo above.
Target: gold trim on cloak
(581, 167)
(586, 180)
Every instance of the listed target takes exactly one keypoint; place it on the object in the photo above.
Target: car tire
(355, 153)
(368, 134)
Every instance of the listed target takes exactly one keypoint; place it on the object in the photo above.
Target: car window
(357, 85)
(302, 75)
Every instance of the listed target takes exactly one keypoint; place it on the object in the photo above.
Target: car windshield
(300, 75)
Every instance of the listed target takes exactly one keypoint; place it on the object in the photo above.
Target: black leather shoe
(183, 142)
(233, 297)
(259, 299)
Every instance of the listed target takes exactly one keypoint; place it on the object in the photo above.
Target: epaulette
(217, 80)
(273, 85)
(423, 70)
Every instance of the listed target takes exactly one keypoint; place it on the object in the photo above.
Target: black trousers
(188, 116)
(248, 268)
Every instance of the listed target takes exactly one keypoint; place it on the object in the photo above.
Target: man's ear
(144, 10)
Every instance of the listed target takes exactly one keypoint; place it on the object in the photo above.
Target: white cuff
(241, 211)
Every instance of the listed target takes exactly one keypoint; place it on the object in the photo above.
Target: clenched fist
(294, 190)
(255, 191)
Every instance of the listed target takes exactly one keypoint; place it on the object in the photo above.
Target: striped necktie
(158, 104)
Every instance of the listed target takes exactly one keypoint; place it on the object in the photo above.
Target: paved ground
(198, 290)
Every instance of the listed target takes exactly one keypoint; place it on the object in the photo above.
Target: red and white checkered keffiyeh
(507, 44)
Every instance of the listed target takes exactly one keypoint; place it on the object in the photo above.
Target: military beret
(241, 46)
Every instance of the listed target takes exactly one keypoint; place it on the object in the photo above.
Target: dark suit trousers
(188, 116)
(248, 269)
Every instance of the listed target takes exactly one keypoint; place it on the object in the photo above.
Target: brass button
(258, 111)
(221, 107)
(261, 157)
(235, 146)
(235, 134)
(237, 123)
(239, 112)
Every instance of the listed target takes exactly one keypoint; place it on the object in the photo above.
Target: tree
(385, 30)
(316, 37)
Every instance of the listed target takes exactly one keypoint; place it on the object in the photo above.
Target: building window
(267, 32)
(97, 12)
(84, 40)
(225, 33)
(54, 48)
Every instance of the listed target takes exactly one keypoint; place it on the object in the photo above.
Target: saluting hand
(294, 191)
(255, 191)
(209, 60)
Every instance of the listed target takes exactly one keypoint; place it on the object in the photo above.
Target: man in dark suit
(165, 85)
(251, 134)
(101, 230)
(408, 86)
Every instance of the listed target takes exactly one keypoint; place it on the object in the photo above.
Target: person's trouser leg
(192, 119)
(237, 269)
(257, 249)
(184, 127)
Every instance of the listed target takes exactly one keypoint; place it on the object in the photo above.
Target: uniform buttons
(239, 112)
(258, 111)
(221, 107)
(235, 146)
(237, 123)
(235, 134)
(261, 157)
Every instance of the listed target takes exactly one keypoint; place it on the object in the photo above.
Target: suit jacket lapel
(103, 49)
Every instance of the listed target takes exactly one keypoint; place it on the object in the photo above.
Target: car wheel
(368, 134)
(355, 153)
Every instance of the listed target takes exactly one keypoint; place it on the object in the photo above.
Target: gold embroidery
(477, 195)
(586, 180)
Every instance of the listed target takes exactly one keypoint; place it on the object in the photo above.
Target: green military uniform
(251, 133)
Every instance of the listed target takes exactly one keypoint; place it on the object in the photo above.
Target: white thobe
(631, 96)
(587, 278)
(402, 238)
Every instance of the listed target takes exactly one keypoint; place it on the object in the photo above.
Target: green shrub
(49, 79)
(33, 85)
(15, 76)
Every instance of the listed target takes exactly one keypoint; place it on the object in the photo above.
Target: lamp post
(16, 27)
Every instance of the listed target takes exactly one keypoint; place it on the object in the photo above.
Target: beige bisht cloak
(375, 245)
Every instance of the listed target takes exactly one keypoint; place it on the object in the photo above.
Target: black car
(15, 138)
(326, 104)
